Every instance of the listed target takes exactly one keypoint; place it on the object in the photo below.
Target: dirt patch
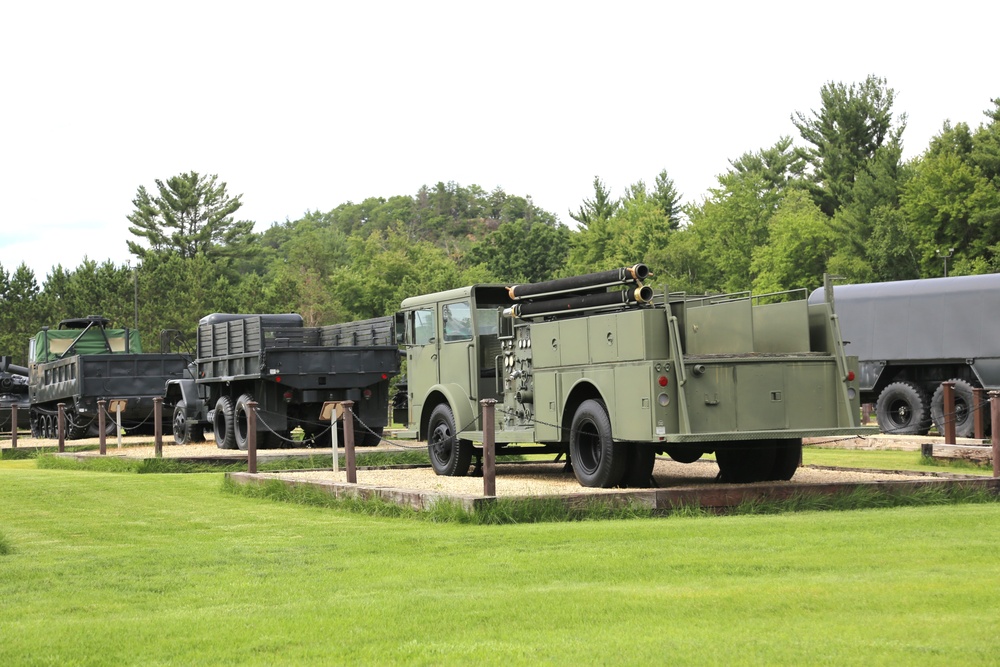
(543, 479)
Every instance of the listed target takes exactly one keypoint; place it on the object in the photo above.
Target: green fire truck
(600, 369)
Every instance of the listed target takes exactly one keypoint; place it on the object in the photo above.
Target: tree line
(838, 198)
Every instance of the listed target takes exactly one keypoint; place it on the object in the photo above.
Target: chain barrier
(309, 442)
(131, 424)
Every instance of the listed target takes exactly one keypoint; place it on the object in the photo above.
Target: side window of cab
(457, 321)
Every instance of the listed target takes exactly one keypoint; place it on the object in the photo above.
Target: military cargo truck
(290, 371)
(13, 391)
(83, 361)
(598, 368)
(912, 335)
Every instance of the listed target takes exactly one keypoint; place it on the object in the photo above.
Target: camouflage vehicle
(598, 368)
(290, 371)
(83, 361)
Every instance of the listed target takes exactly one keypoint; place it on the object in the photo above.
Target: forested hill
(838, 198)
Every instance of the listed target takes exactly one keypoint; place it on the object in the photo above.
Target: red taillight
(384, 376)
(850, 376)
(367, 393)
(663, 380)
(277, 378)
(288, 395)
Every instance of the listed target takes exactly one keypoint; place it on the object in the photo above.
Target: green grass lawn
(887, 460)
(103, 568)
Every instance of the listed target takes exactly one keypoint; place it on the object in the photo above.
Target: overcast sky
(303, 106)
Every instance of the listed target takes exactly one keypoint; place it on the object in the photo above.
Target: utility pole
(945, 256)
(135, 292)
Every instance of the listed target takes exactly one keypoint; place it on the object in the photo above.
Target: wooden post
(866, 414)
(334, 439)
(349, 462)
(252, 437)
(995, 414)
(158, 427)
(979, 413)
(489, 448)
(61, 427)
(949, 412)
(102, 426)
(118, 421)
(13, 426)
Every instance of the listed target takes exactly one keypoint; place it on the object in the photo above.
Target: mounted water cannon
(590, 282)
(579, 294)
(581, 303)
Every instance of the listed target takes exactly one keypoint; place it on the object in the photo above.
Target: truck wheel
(902, 410)
(185, 433)
(75, 430)
(742, 462)
(223, 426)
(241, 422)
(598, 461)
(639, 466)
(369, 438)
(684, 453)
(110, 427)
(786, 459)
(964, 401)
(449, 455)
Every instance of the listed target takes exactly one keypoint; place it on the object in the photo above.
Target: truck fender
(186, 390)
(580, 391)
(457, 398)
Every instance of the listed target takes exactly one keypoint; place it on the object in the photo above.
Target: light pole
(945, 256)
(135, 291)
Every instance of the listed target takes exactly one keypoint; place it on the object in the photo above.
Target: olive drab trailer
(912, 335)
(290, 371)
(83, 361)
(600, 369)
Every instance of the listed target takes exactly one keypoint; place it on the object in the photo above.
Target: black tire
(75, 430)
(223, 424)
(367, 438)
(965, 425)
(787, 456)
(598, 461)
(35, 423)
(179, 425)
(684, 453)
(110, 427)
(241, 423)
(181, 429)
(747, 461)
(902, 409)
(449, 455)
(639, 467)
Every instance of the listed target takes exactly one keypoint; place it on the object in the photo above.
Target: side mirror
(400, 328)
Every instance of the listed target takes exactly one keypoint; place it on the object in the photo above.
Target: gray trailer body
(290, 371)
(920, 333)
